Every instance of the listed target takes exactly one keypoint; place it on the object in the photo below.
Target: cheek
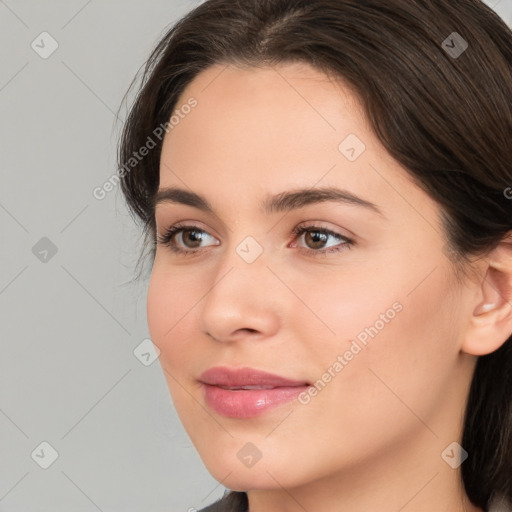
(170, 309)
(341, 307)
(171, 319)
(159, 308)
(401, 365)
(395, 338)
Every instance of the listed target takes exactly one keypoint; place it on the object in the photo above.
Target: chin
(264, 474)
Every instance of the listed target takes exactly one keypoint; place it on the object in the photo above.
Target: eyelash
(166, 239)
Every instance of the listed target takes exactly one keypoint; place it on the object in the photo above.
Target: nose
(242, 301)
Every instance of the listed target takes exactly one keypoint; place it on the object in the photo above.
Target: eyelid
(167, 237)
(321, 226)
(179, 227)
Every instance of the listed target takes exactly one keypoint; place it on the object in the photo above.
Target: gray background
(71, 319)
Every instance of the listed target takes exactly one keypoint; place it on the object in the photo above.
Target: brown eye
(315, 239)
(191, 238)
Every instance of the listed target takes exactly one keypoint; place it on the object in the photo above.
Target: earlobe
(491, 322)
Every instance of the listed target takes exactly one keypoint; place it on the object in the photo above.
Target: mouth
(248, 401)
(237, 388)
(246, 378)
(247, 392)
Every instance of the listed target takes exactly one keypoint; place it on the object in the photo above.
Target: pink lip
(247, 403)
(230, 377)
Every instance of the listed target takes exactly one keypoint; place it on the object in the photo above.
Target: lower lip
(248, 403)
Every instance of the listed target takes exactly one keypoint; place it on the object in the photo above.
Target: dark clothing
(235, 501)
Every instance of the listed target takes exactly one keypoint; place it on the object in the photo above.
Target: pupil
(193, 236)
(317, 237)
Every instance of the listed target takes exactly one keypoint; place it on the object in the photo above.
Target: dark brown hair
(442, 109)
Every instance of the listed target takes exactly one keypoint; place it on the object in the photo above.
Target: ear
(491, 323)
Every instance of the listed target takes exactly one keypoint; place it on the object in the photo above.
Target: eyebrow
(284, 201)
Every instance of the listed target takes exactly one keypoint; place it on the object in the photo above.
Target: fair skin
(372, 439)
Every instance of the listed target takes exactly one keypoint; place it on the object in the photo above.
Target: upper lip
(232, 377)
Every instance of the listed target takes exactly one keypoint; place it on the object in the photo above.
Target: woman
(326, 186)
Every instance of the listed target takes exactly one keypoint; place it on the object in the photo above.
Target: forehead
(264, 130)
(295, 89)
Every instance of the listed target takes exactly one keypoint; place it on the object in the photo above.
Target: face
(361, 305)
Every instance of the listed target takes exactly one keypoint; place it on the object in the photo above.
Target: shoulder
(232, 501)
